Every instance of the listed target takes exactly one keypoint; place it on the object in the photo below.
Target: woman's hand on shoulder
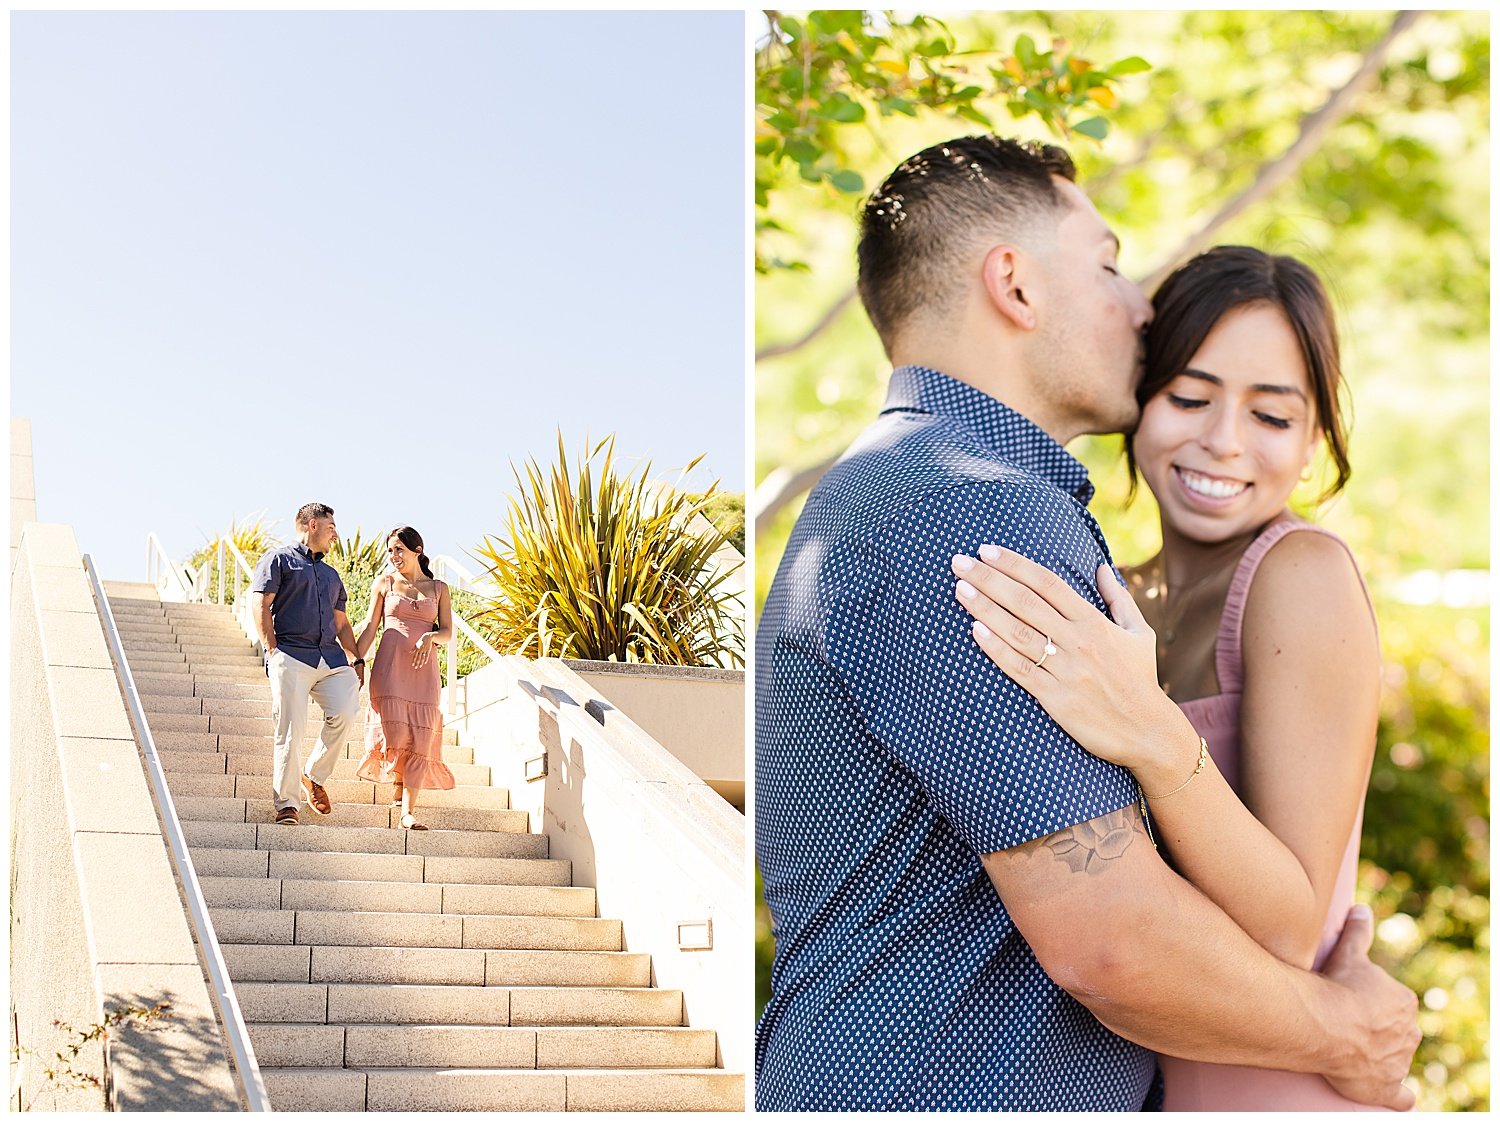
(1094, 677)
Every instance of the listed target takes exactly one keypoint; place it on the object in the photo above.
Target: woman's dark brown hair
(1198, 295)
(413, 541)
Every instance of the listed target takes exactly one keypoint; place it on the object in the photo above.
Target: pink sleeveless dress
(404, 737)
(1200, 1086)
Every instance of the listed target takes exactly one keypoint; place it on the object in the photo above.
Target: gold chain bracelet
(1202, 763)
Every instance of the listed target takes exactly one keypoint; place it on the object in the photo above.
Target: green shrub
(252, 536)
(600, 565)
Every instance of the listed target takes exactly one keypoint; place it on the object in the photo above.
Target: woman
(1259, 625)
(404, 741)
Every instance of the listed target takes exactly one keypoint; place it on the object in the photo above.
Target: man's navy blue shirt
(890, 754)
(308, 591)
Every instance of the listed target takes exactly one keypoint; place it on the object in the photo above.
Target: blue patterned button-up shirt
(890, 754)
(308, 591)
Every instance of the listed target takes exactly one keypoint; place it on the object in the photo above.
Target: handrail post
(221, 572)
(452, 674)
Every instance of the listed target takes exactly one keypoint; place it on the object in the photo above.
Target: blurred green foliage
(822, 76)
(726, 510)
(1392, 210)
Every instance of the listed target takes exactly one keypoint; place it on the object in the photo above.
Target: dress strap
(1229, 662)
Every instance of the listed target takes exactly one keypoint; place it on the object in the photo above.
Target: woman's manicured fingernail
(962, 564)
(980, 630)
(966, 590)
(990, 552)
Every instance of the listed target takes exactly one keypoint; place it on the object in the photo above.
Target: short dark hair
(925, 217)
(1200, 293)
(308, 511)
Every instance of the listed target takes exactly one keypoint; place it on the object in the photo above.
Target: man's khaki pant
(337, 694)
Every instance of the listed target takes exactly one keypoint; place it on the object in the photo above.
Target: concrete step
(285, 864)
(140, 592)
(281, 925)
(308, 1003)
(323, 835)
(467, 776)
(490, 1046)
(459, 1089)
(260, 891)
(258, 962)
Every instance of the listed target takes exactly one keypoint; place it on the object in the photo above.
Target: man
(968, 912)
(299, 601)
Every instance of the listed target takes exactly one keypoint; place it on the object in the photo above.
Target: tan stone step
(259, 891)
(491, 1046)
(137, 592)
(496, 871)
(186, 785)
(254, 962)
(323, 834)
(414, 929)
(469, 777)
(309, 1003)
(458, 1089)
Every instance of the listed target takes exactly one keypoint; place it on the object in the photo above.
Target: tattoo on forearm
(1088, 847)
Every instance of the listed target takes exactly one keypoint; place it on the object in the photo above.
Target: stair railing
(252, 1086)
(242, 568)
(159, 562)
(445, 568)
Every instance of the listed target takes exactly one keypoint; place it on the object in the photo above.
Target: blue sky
(368, 259)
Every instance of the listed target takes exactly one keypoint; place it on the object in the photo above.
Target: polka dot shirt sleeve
(993, 762)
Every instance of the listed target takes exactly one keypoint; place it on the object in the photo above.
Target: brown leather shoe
(287, 817)
(316, 797)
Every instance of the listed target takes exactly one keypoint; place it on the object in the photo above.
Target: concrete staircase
(381, 969)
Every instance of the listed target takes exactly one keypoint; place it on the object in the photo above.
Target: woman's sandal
(409, 822)
(400, 790)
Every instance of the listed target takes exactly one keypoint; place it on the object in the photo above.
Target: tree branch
(782, 486)
(1315, 127)
(825, 321)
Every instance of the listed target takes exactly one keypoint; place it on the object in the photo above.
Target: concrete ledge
(97, 922)
(695, 712)
(657, 844)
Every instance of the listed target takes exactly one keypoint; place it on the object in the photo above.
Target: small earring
(1306, 475)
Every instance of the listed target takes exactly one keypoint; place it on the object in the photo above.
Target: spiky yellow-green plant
(357, 554)
(599, 564)
(251, 535)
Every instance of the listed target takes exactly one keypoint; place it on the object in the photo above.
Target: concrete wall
(696, 713)
(22, 483)
(659, 846)
(97, 923)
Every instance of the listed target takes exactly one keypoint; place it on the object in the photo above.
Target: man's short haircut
(308, 511)
(925, 219)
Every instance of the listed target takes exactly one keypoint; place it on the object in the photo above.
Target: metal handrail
(442, 565)
(248, 1069)
(156, 554)
(462, 627)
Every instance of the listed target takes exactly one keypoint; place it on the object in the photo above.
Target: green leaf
(1132, 65)
(1026, 51)
(849, 182)
(1096, 127)
(843, 109)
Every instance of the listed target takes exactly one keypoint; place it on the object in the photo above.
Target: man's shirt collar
(301, 547)
(999, 427)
